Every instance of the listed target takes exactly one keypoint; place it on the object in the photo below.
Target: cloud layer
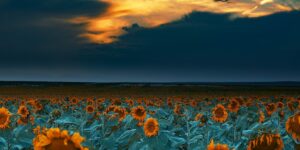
(39, 42)
(106, 27)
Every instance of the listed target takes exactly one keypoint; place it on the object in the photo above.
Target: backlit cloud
(106, 27)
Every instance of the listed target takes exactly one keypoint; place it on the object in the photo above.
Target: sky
(150, 40)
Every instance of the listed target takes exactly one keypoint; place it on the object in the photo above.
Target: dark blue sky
(36, 43)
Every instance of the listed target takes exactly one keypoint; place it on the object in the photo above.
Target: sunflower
(90, 101)
(271, 108)
(151, 127)
(121, 113)
(169, 103)
(261, 117)
(212, 146)
(233, 106)
(55, 101)
(55, 139)
(178, 109)
(198, 117)
(23, 111)
(140, 123)
(138, 113)
(266, 142)
(4, 118)
(149, 103)
(280, 105)
(116, 101)
(281, 114)
(292, 126)
(201, 118)
(22, 121)
(130, 102)
(38, 106)
(219, 113)
(74, 101)
(90, 109)
(110, 108)
(194, 103)
(291, 105)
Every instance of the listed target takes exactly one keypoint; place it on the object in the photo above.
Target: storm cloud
(39, 43)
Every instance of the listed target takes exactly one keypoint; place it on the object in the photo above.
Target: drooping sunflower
(219, 113)
(138, 113)
(151, 127)
(234, 106)
(212, 146)
(266, 142)
(23, 111)
(292, 126)
(4, 118)
(55, 139)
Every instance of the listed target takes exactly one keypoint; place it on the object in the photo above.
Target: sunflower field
(150, 123)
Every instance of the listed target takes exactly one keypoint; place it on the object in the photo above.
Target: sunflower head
(219, 113)
(292, 105)
(292, 126)
(149, 103)
(90, 109)
(213, 146)
(261, 117)
(281, 114)
(55, 139)
(151, 127)
(178, 109)
(271, 108)
(266, 142)
(194, 103)
(198, 117)
(90, 101)
(234, 106)
(4, 118)
(170, 103)
(74, 100)
(116, 101)
(56, 113)
(130, 102)
(110, 108)
(280, 105)
(138, 113)
(121, 113)
(23, 111)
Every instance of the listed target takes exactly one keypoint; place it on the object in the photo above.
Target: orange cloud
(107, 27)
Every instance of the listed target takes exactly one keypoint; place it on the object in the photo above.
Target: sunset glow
(107, 27)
